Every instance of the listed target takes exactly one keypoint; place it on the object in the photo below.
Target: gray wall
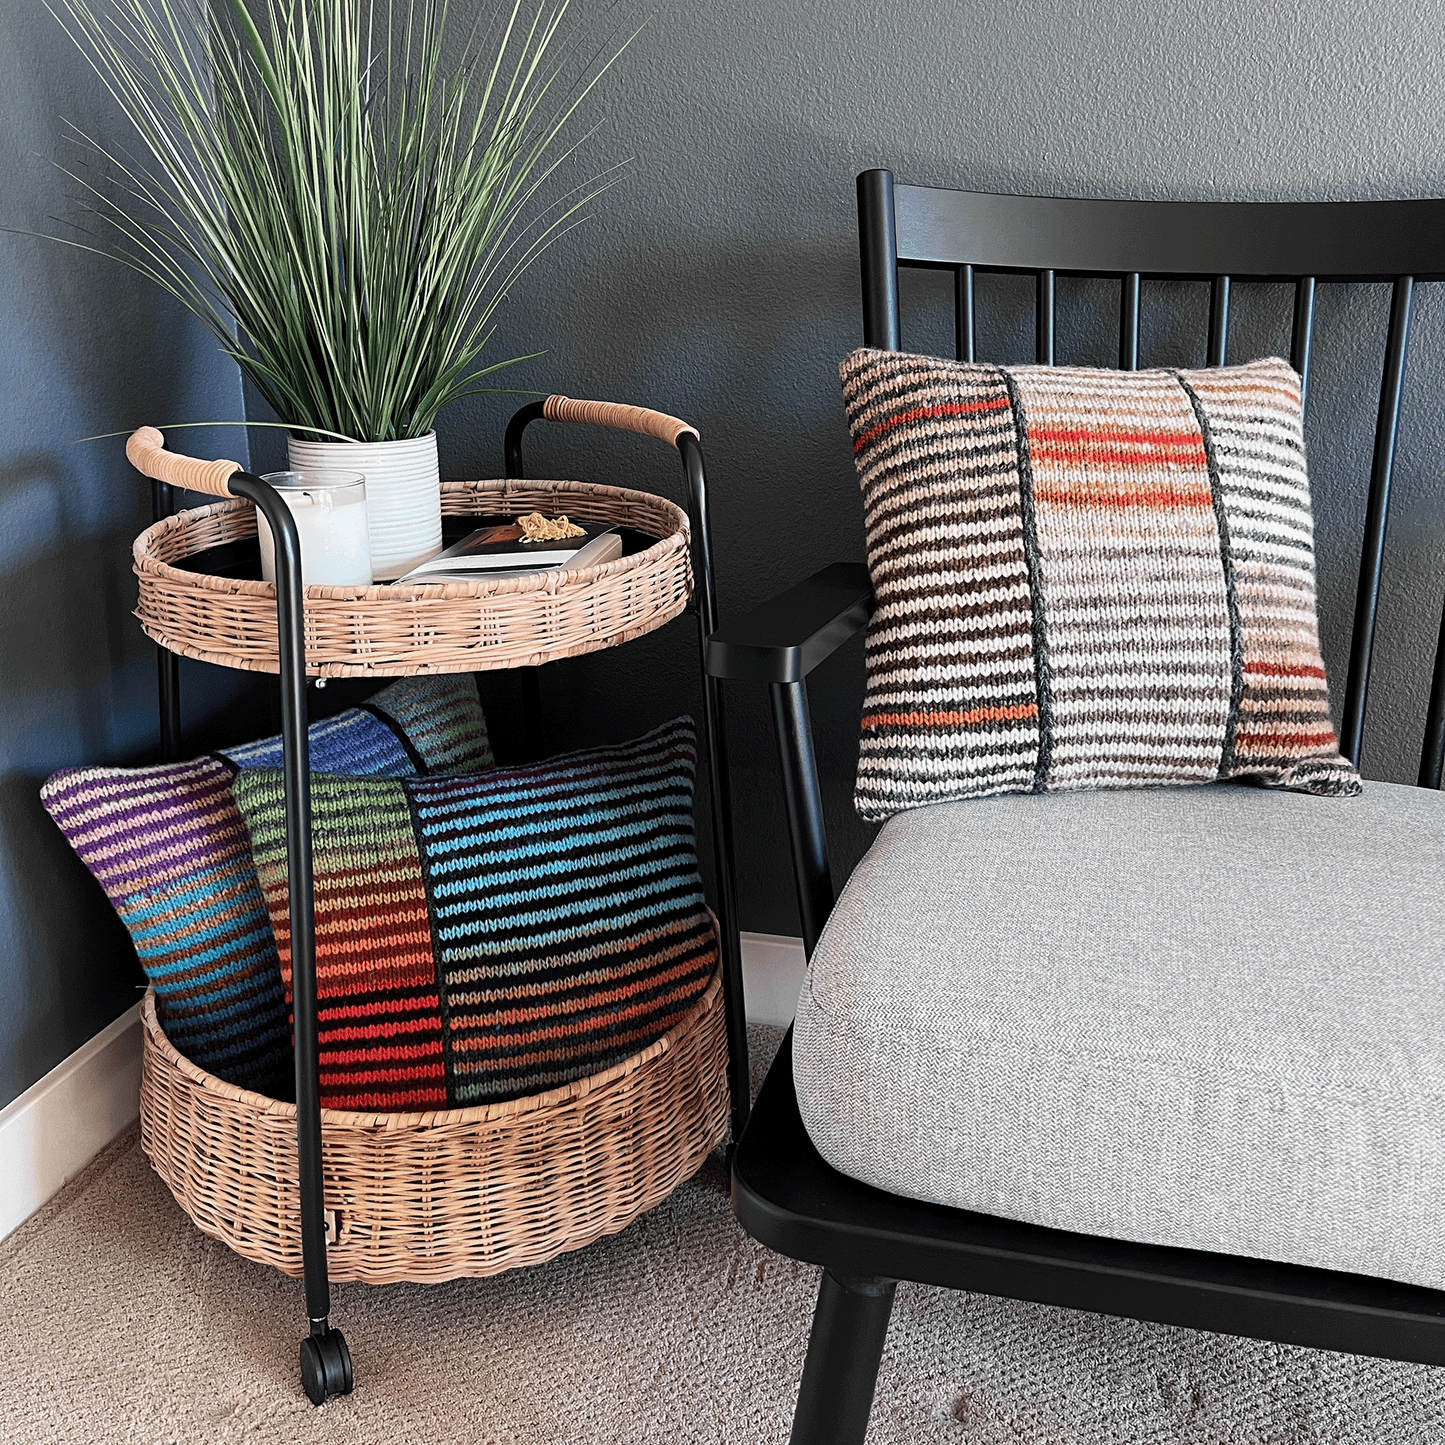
(85, 347)
(718, 281)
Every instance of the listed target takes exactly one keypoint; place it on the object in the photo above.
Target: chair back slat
(1377, 510)
(1301, 336)
(1044, 318)
(878, 248)
(1432, 754)
(1129, 323)
(1222, 242)
(1218, 321)
(963, 332)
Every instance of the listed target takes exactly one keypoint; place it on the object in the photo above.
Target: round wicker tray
(459, 1192)
(455, 626)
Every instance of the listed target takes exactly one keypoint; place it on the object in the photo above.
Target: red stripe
(1272, 669)
(922, 413)
(391, 1102)
(418, 1054)
(407, 1103)
(1126, 449)
(382, 1032)
(367, 1010)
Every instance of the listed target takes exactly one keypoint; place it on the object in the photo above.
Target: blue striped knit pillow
(489, 936)
(172, 853)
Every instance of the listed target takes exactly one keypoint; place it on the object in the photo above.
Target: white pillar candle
(331, 524)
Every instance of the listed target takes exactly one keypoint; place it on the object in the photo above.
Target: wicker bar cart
(456, 1192)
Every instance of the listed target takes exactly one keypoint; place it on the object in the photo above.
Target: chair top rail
(1246, 240)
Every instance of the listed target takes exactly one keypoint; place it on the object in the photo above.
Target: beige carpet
(121, 1323)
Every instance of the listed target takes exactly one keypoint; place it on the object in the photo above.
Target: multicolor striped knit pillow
(1085, 579)
(172, 853)
(481, 938)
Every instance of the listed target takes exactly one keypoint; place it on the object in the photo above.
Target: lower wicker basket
(458, 1192)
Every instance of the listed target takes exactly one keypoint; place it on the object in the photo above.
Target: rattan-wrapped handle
(146, 449)
(614, 414)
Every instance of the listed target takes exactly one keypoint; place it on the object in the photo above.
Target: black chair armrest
(787, 637)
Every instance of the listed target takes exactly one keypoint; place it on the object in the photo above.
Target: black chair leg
(850, 1325)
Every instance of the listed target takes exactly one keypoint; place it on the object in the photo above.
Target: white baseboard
(59, 1124)
(773, 967)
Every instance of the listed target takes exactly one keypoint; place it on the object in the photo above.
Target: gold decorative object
(537, 528)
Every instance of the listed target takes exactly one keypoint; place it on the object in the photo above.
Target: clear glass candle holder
(330, 515)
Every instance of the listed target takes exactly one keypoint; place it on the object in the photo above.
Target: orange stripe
(951, 719)
(920, 413)
(556, 1020)
(558, 1033)
(1260, 740)
(1097, 496)
(1102, 435)
(474, 1009)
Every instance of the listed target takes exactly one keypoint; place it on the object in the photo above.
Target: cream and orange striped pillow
(1085, 579)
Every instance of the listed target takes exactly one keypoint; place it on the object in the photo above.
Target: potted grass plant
(343, 200)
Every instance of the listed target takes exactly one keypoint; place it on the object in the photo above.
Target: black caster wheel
(325, 1366)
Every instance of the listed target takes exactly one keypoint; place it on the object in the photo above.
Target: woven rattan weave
(453, 626)
(460, 1192)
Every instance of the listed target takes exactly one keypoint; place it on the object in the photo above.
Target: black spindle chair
(784, 1193)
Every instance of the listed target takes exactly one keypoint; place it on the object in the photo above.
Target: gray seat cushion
(1209, 1017)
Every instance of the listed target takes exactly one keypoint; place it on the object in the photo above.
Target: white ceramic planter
(403, 495)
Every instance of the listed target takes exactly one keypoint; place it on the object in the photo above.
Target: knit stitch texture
(1085, 579)
(484, 937)
(172, 853)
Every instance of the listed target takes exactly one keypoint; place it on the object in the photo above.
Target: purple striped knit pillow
(1085, 579)
(172, 853)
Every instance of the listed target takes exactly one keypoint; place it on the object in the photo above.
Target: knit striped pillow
(172, 853)
(480, 938)
(1085, 579)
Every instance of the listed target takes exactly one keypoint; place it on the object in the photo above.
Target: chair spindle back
(969, 233)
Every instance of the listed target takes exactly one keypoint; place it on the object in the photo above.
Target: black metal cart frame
(326, 1366)
(783, 1192)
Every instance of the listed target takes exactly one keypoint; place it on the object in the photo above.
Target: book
(500, 549)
